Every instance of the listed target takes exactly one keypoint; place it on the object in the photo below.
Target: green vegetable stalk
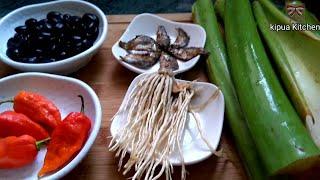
(219, 73)
(283, 142)
(296, 55)
(219, 8)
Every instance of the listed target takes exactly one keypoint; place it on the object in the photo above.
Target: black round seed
(30, 23)
(54, 17)
(31, 60)
(76, 39)
(88, 18)
(14, 53)
(21, 29)
(66, 18)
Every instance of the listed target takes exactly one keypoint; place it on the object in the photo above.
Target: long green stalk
(296, 55)
(218, 72)
(281, 139)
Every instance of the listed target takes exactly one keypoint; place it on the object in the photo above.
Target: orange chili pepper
(37, 108)
(17, 124)
(18, 151)
(67, 140)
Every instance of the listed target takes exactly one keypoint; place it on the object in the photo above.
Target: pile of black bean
(57, 37)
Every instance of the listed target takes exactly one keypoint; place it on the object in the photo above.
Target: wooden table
(110, 81)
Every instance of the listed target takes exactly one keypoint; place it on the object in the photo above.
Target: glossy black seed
(31, 60)
(59, 26)
(88, 18)
(62, 55)
(52, 49)
(86, 43)
(46, 35)
(76, 39)
(93, 31)
(14, 53)
(60, 39)
(75, 20)
(20, 39)
(31, 22)
(92, 25)
(38, 52)
(66, 17)
(13, 43)
(54, 17)
(21, 29)
(92, 37)
(42, 21)
(53, 14)
(47, 27)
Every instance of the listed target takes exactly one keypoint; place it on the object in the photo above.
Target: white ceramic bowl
(210, 116)
(147, 24)
(39, 11)
(63, 91)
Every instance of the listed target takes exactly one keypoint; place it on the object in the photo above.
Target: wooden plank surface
(110, 81)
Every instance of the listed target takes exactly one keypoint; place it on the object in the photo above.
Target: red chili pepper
(37, 108)
(67, 140)
(17, 124)
(18, 151)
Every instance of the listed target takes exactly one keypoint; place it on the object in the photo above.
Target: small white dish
(63, 91)
(147, 24)
(39, 11)
(210, 117)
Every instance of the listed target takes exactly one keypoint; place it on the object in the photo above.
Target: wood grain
(110, 81)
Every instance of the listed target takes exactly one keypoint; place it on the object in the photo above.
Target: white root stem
(217, 153)
(154, 127)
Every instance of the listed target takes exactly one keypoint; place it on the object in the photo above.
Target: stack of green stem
(283, 143)
(217, 64)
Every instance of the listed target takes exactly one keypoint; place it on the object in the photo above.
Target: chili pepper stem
(82, 104)
(41, 142)
(6, 101)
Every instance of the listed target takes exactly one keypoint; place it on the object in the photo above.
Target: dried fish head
(182, 39)
(168, 62)
(143, 60)
(163, 39)
(140, 43)
(188, 53)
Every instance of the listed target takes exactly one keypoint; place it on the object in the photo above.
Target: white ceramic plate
(147, 24)
(39, 11)
(211, 120)
(63, 92)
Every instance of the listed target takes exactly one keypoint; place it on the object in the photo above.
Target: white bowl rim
(95, 129)
(95, 46)
(139, 70)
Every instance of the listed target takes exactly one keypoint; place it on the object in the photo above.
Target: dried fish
(188, 53)
(140, 43)
(163, 39)
(168, 62)
(143, 61)
(182, 39)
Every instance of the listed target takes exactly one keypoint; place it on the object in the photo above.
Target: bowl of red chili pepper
(38, 108)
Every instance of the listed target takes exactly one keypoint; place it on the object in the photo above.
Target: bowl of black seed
(56, 37)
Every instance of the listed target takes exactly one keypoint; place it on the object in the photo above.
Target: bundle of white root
(158, 112)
